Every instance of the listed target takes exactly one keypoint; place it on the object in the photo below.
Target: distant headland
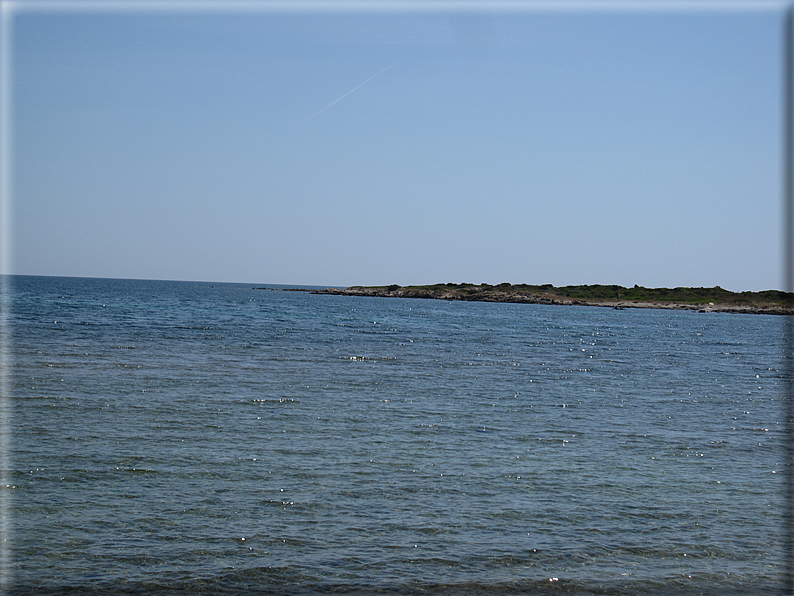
(716, 299)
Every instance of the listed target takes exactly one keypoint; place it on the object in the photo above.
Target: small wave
(136, 470)
(298, 581)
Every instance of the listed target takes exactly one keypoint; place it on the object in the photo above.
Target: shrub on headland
(716, 298)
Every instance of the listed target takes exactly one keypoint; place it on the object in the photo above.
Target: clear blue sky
(529, 147)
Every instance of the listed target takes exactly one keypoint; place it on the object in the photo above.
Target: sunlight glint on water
(214, 437)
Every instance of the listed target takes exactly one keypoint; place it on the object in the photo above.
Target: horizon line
(376, 285)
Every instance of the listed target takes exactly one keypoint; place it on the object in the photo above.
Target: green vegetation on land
(715, 298)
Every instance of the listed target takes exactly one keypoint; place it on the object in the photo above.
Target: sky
(365, 147)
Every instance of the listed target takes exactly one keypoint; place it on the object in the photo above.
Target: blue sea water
(177, 437)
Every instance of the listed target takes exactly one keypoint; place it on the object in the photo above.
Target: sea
(214, 438)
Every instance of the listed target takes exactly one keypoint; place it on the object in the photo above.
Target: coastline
(493, 294)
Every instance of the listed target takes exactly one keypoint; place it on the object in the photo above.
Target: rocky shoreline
(494, 294)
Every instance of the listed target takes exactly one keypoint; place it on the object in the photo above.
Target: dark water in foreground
(190, 438)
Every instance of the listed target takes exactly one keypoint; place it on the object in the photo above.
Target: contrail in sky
(346, 94)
